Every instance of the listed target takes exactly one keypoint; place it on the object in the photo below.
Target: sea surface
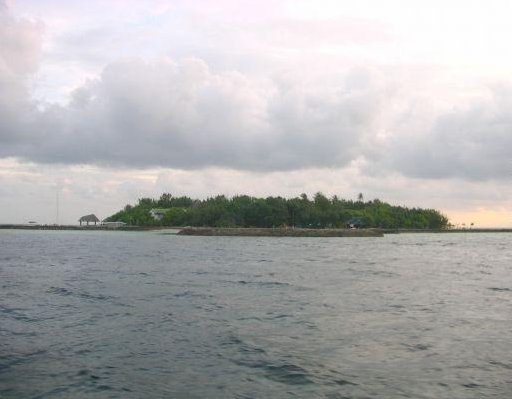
(149, 315)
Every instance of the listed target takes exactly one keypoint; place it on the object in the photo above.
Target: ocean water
(148, 315)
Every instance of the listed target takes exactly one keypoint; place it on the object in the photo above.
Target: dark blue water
(147, 315)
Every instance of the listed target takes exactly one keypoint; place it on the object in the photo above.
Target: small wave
(264, 283)
(280, 316)
(199, 272)
(417, 347)
(79, 294)
(507, 366)
(472, 385)
(341, 381)
(283, 372)
(16, 313)
(251, 318)
(500, 289)
(278, 370)
(191, 294)
(7, 362)
(287, 373)
(370, 272)
(59, 291)
(104, 387)
(242, 346)
(95, 297)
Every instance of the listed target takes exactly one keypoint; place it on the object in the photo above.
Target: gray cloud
(474, 142)
(140, 114)
(19, 57)
(182, 115)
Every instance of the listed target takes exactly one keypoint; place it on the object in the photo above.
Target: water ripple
(164, 316)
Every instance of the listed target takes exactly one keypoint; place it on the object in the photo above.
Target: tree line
(246, 211)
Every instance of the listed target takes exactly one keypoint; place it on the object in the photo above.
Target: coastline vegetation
(246, 211)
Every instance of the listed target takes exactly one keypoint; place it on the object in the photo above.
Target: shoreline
(80, 228)
(279, 232)
(448, 231)
(257, 232)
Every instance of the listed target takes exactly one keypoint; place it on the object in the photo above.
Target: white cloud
(382, 96)
(186, 116)
(19, 58)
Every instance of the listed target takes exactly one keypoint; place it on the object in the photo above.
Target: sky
(102, 103)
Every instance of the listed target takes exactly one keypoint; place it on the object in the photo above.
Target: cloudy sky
(104, 102)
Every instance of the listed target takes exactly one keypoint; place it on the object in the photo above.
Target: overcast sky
(102, 103)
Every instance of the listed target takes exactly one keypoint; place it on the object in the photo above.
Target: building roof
(159, 210)
(358, 222)
(89, 218)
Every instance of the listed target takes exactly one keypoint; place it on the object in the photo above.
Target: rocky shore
(279, 232)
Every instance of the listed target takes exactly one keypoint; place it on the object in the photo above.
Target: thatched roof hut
(88, 219)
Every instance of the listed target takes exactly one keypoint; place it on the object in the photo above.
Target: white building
(158, 214)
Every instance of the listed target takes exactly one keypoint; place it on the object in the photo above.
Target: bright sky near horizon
(102, 103)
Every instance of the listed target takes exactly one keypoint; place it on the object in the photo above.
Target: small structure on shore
(355, 223)
(89, 219)
(158, 213)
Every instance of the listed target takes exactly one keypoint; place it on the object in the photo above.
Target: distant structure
(158, 214)
(88, 219)
(355, 223)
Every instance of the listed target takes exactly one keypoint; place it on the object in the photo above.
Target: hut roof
(89, 218)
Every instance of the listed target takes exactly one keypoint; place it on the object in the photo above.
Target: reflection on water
(147, 315)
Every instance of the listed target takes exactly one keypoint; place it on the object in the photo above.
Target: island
(245, 215)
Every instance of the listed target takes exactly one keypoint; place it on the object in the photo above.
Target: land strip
(257, 232)
(279, 232)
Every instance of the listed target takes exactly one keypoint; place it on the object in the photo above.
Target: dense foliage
(245, 211)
